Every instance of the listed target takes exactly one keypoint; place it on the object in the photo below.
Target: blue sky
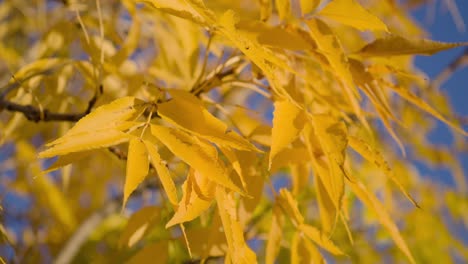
(443, 28)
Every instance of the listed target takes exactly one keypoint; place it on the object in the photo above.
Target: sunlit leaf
(163, 173)
(395, 45)
(384, 218)
(288, 120)
(238, 248)
(351, 13)
(375, 157)
(137, 167)
(188, 112)
(139, 225)
(200, 155)
(320, 239)
(198, 194)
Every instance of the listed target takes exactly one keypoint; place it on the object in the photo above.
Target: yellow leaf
(108, 116)
(320, 239)
(41, 66)
(290, 206)
(412, 98)
(351, 13)
(187, 111)
(84, 142)
(47, 192)
(330, 46)
(284, 9)
(149, 252)
(288, 121)
(332, 135)
(163, 173)
(308, 6)
(177, 8)
(137, 167)
(265, 9)
(328, 211)
(208, 240)
(199, 155)
(275, 236)
(288, 157)
(373, 203)
(276, 37)
(66, 160)
(395, 45)
(303, 251)
(239, 251)
(375, 157)
(101, 128)
(198, 193)
(138, 225)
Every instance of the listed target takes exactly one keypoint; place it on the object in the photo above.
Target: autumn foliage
(186, 131)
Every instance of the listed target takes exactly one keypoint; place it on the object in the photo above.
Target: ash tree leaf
(201, 156)
(351, 13)
(332, 135)
(198, 194)
(320, 239)
(375, 157)
(137, 167)
(371, 201)
(139, 225)
(187, 111)
(239, 251)
(275, 236)
(395, 45)
(163, 173)
(101, 128)
(288, 121)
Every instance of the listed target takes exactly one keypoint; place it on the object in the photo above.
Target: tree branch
(35, 114)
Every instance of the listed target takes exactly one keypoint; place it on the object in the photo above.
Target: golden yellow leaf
(108, 116)
(177, 8)
(372, 202)
(138, 225)
(351, 13)
(208, 240)
(395, 45)
(84, 142)
(148, 253)
(276, 37)
(303, 251)
(412, 98)
(288, 157)
(375, 157)
(332, 135)
(265, 9)
(327, 209)
(308, 6)
(330, 46)
(101, 128)
(137, 167)
(284, 9)
(288, 121)
(320, 239)
(201, 156)
(67, 159)
(187, 111)
(198, 193)
(239, 251)
(47, 192)
(287, 202)
(275, 236)
(163, 173)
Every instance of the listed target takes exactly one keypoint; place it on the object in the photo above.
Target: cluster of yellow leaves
(315, 82)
